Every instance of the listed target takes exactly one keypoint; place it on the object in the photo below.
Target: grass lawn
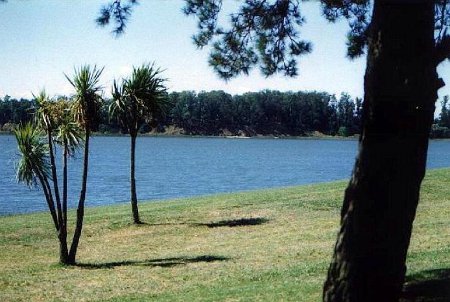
(269, 245)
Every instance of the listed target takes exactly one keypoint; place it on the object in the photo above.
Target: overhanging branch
(442, 51)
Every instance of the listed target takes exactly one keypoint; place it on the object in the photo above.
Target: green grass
(186, 251)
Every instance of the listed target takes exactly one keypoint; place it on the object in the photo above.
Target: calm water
(177, 167)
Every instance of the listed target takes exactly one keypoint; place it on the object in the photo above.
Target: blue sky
(41, 40)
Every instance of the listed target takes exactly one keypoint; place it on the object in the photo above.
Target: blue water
(169, 167)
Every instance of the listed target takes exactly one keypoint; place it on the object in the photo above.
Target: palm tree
(46, 117)
(34, 163)
(56, 121)
(68, 136)
(86, 109)
(139, 99)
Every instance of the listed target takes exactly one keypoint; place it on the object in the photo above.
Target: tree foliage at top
(119, 12)
(34, 162)
(139, 99)
(266, 33)
(88, 95)
(261, 32)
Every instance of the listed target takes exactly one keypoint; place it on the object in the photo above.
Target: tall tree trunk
(54, 176)
(80, 209)
(62, 227)
(64, 201)
(48, 197)
(134, 205)
(381, 199)
(62, 235)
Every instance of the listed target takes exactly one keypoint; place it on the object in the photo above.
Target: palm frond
(88, 95)
(68, 132)
(34, 154)
(140, 98)
(43, 113)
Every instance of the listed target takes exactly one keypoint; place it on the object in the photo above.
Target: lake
(169, 167)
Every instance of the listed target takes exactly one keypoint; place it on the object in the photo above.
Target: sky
(43, 39)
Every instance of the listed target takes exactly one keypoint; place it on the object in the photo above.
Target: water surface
(169, 167)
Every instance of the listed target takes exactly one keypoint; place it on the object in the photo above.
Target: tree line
(267, 112)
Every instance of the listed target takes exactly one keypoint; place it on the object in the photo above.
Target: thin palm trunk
(80, 209)
(48, 198)
(64, 253)
(62, 230)
(54, 177)
(134, 205)
(63, 249)
(64, 201)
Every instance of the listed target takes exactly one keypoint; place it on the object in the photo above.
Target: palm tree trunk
(63, 250)
(134, 205)
(48, 198)
(64, 202)
(54, 177)
(62, 230)
(80, 209)
(381, 199)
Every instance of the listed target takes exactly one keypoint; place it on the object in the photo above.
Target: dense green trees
(266, 112)
(13, 111)
(441, 128)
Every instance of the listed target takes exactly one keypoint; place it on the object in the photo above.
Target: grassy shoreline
(268, 245)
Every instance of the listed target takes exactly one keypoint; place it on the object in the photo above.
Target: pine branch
(442, 50)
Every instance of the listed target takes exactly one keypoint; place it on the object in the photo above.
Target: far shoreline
(258, 136)
(316, 135)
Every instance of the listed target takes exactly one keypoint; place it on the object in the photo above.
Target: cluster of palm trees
(68, 123)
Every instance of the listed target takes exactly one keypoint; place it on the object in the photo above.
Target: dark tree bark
(80, 208)
(134, 205)
(63, 249)
(62, 235)
(380, 201)
(62, 226)
(64, 201)
(54, 176)
(48, 197)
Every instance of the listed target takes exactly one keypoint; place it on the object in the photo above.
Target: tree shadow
(235, 222)
(216, 224)
(166, 223)
(161, 262)
(427, 286)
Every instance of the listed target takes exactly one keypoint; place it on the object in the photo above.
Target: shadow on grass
(235, 222)
(216, 224)
(162, 262)
(166, 223)
(427, 286)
